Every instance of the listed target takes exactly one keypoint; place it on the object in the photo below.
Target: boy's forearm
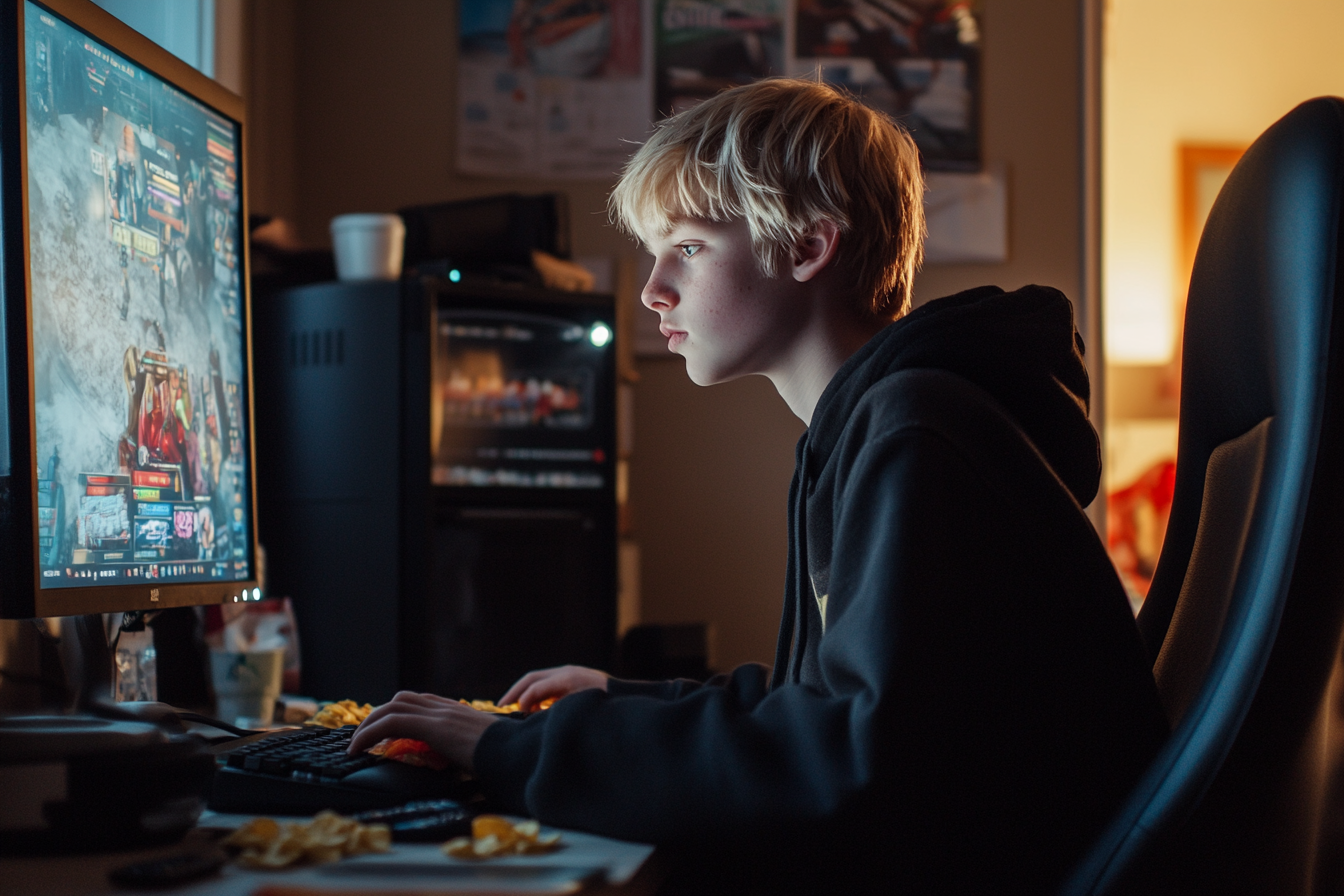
(749, 682)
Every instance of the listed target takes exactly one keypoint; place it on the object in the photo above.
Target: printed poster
(916, 60)
(704, 46)
(550, 88)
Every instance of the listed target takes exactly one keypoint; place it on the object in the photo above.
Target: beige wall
(352, 106)
(1202, 71)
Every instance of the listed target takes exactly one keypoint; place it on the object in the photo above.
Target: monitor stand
(88, 662)
(89, 676)
(90, 666)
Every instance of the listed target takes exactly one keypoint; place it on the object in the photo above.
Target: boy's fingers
(522, 685)
(405, 703)
(371, 731)
(421, 723)
(512, 693)
(532, 696)
(402, 699)
(556, 686)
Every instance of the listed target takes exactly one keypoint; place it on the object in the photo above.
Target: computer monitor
(126, 471)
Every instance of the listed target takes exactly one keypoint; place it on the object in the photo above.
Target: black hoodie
(959, 698)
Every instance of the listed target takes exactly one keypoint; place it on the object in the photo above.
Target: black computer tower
(436, 481)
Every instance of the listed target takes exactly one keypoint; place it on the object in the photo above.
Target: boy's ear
(814, 252)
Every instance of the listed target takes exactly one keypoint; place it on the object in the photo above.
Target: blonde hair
(785, 154)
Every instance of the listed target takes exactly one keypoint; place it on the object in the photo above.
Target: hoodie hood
(1021, 347)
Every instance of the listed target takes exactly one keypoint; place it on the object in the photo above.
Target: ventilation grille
(316, 348)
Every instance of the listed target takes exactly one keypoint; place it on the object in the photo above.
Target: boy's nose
(657, 295)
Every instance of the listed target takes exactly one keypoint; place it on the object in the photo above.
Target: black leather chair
(1246, 611)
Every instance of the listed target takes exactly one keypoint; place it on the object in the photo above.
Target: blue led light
(455, 275)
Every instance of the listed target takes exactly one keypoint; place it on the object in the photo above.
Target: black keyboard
(303, 771)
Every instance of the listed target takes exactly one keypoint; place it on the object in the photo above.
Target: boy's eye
(688, 251)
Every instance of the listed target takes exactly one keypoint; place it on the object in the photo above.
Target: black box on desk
(436, 481)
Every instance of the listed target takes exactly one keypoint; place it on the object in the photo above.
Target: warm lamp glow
(1140, 325)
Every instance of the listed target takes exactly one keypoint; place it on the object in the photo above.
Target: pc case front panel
(523, 537)
(398, 582)
(329, 359)
(522, 398)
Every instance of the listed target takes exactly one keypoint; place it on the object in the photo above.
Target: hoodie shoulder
(1020, 347)
(960, 417)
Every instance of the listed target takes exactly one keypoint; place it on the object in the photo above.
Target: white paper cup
(247, 685)
(368, 247)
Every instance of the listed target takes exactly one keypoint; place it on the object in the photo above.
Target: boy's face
(718, 311)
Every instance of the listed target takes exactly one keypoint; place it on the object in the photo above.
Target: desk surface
(409, 868)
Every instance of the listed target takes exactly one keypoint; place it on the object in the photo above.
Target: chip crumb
(493, 835)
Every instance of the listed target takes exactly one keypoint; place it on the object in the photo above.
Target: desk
(409, 868)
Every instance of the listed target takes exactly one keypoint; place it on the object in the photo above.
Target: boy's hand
(537, 686)
(452, 729)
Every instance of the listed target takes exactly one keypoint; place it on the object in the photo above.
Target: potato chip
(373, 838)
(323, 855)
(459, 848)
(256, 833)
(483, 826)
(327, 838)
(490, 706)
(495, 836)
(340, 713)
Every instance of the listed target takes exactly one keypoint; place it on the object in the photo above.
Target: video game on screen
(137, 298)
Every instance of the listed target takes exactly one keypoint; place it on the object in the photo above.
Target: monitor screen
(516, 399)
(139, 349)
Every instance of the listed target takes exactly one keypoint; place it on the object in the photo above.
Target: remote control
(423, 821)
(168, 871)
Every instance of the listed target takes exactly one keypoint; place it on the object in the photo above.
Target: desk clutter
(371, 852)
(379, 839)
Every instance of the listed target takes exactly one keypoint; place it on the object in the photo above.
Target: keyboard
(302, 771)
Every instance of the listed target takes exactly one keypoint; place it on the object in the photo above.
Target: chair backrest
(1246, 609)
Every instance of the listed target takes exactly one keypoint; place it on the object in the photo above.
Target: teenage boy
(959, 699)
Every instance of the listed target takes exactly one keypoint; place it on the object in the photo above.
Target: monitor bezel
(21, 594)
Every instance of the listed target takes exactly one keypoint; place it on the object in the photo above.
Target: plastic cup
(247, 685)
(368, 247)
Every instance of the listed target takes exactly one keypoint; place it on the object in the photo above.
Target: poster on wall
(916, 60)
(550, 88)
(704, 46)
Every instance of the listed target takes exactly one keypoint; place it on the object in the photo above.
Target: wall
(185, 28)
(1208, 71)
(352, 107)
